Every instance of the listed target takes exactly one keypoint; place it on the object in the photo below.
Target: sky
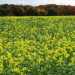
(38, 2)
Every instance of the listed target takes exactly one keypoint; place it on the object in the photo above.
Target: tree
(22, 6)
(30, 12)
(6, 11)
(66, 11)
(11, 13)
(48, 6)
(40, 6)
(38, 11)
(13, 7)
(4, 5)
(1, 12)
(72, 10)
(46, 13)
(25, 7)
(0, 5)
(18, 11)
(62, 10)
(52, 12)
(41, 12)
(58, 11)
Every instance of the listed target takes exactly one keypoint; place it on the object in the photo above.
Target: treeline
(41, 10)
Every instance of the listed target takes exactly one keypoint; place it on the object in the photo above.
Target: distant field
(37, 45)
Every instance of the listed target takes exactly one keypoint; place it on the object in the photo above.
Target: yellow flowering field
(42, 45)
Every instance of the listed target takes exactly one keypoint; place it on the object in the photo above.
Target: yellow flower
(67, 55)
(29, 70)
(54, 57)
(71, 49)
(49, 65)
(70, 64)
(17, 70)
(34, 53)
(24, 69)
(11, 61)
(39, 73)
(72, 59)
(19, 54)
(0, 40)
(21, 73)
(9, 55)
(74, 53)
(1, 68)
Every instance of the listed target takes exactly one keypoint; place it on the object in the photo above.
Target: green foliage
(67, 12)
(6, 11)
(1, 14)
(13, 7)
(18, 11)
(4, 5)
(30, 12)
(51, 12)
(25, 8)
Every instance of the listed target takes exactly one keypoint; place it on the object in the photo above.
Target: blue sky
(39, 2)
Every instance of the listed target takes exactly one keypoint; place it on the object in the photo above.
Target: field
(37, 45)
